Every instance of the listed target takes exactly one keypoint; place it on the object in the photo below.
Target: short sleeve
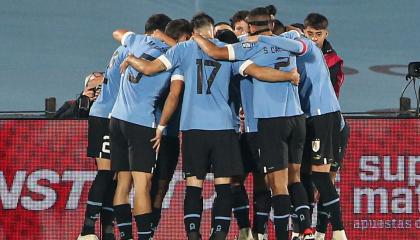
(239, 67)
(174, 56)
(128, 39)
(177, 75)
(242, 50)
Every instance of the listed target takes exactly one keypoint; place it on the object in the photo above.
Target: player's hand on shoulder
(295, 77)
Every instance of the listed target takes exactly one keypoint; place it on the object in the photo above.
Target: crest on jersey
(316, 145)
(247, 44)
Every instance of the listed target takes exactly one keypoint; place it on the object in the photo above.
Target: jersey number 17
(207, 63)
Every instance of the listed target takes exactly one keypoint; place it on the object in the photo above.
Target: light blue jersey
(270, 100)
(205, 104)
(103, 105)
(247, 96)
(136, 100)
(315, 89)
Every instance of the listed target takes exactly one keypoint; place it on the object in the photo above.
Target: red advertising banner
(45, 177)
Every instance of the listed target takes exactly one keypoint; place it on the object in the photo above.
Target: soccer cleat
(245, 234)
(339, 235)
(88, 237)
(319, 236)
(309, 237)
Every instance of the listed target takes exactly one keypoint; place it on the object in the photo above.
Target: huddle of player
(177, 78)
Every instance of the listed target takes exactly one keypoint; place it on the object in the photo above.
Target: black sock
(306, 180)
(295, 222)
(95, 199)
(193, 207)
(322, 218)
(281, 205)
(107, 212)
(156, 215)
(144, 223)
(222, 210)
(262, 207)
(241, 206)
(300, 205)
(330, 198)
(124, 221)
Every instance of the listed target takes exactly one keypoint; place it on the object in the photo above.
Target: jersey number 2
(209, 63)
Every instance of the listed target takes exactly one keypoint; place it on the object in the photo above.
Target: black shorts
(250, 151)
(131, 147)
(167, 158)
(217, 150)
(342, 147)
(322, 139)
(281, 141)
(98, 138)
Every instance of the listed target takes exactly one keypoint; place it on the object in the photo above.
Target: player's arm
(142, 65)
(163, 37)
(218, 53)
(268, 74)
(171, 59)
(289, 42)
(119, 34)
(171, 104)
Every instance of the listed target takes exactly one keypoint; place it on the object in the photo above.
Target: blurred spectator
(79, 108)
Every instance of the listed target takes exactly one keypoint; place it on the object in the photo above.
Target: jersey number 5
(209, 63)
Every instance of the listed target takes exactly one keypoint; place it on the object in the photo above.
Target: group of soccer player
(259, 98)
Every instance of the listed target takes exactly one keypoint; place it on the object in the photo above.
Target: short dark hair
(279, 27)
(227, 36)
(221, 23)
(156, 22)
(177, 27)
(298, 25)
(259, 11)
(272, 10)
(201, 19)
(238, 16)
(316, 20)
